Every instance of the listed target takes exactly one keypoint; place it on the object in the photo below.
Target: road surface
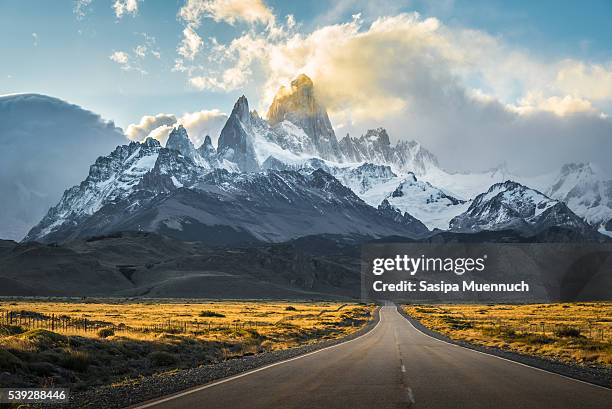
(393, 366)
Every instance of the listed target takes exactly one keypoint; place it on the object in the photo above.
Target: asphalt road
(393, 366)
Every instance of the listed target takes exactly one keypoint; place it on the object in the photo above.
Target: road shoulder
(601, 377)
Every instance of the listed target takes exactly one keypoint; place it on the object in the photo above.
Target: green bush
(209, 313)
(106, 332)
(162, 358)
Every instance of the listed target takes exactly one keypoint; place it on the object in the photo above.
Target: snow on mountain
(510, 205)
(588, 195)
(375, 147)
(110, 178)
(236, 138)
(434, 207)
(179, 141)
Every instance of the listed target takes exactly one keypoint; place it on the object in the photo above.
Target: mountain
(299, 105)
(588, 195)
(433, 206)
(144, 187)
(236, 138)
(47, 145)
(375, 147)
(512, 206)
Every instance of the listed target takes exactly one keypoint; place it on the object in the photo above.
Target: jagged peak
(241, 109)
(379, 135)
(149, 143)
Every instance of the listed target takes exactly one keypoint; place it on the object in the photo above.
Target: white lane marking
(410, 396)
(231, 378)
(403, 368)
(504, 359)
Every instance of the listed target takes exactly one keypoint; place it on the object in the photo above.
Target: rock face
(588, 195)
(299, 105)
(512, 206)
(236, 139)
(375, 147)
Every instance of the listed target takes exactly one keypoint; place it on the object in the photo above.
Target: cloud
(148, 123)
(123, 7)
(120, 57)
(48, 145)
(455, 89)
(81, 8)
(198, 125)
(592, 81)
(191, 43)
(229, 11)
(35, 39)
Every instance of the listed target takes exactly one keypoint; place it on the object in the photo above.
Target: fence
(65, 323)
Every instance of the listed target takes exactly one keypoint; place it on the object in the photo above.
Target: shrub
(290, 308)
(75, 360)
(209, 313)
(569, 332)
(538, 339)
(6, 330)
(106, 332)
(44, 338)
(8, 361)
(162, 358)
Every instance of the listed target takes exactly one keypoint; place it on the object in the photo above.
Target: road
(393, 366)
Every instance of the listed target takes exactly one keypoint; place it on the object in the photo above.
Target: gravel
(597, 375)
(162, 384)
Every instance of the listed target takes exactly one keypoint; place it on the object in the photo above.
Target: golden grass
(276, 321)
(572, 332)
(150, 337)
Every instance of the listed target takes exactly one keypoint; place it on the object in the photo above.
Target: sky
(476, 82)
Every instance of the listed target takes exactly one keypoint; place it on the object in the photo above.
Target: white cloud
(120, 57)
(148, 123)
(198, 125)
(81, 8)
(191, 43)
(35, 39)
(123, 7)
(560, 106)
(592, 81)
(229, 11)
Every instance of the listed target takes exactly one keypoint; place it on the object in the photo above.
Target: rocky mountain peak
(236, 139)
(300, 106)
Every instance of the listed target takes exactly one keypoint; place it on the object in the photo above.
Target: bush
(569, 332)
(162, 358)
(538, 339)
(75, 360)
(6, 330)
(106, 332)
(209, 313)
(44, 338)
(290, 308)
(8, 361)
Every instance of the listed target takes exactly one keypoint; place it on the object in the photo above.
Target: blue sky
(71, 58)
(476, 65)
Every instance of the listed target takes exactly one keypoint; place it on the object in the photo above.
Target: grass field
(577, 333)
(83, 344)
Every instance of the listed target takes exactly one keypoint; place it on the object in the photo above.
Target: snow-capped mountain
(512, 206)
(287, 177)
(434, 207)
(375, 147)
(589, 196)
